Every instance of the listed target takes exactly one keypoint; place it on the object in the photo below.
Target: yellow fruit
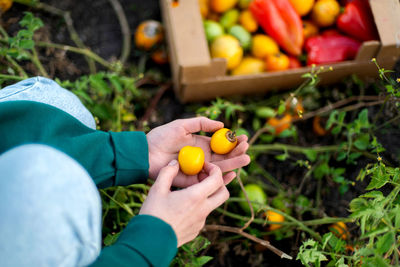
(280, 123)
(247, 20)
(203, 5)
(5, 5)
(339, 229)
(191, 160)
(273, 216)
(325, 12)
(148, 34)
(263, 45)
(309, 29)
(228, 47)
(223, 141)
(277, 62)
(302, 6)
(220, 6)
(249, 65)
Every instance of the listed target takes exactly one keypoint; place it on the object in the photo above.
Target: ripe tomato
(280, 123)
(228, 47)
(325, 12)
(263, 45)
(294, 63)
(160, 56)
(256, 195)
(339, 229)
(5, 5)
(317, 128)
(249, 65)
(223, 141)
(148, 34)
(302, 6)
(220, 6)
(191, 160)
(247, 20)
(277, 62)
(309, 29)
(273, 216)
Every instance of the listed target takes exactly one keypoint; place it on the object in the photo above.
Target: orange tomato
(325, 12)
(339, 229)
(191, 160)
(204, 10)
(148, 34)
(280, 123)
(221, 6)
(272, 217)
(5, 5)
(317, 128)
(223, 141)
(294, 63)
(309, 29)
(160, 56)
(277, 62)
(247, 20)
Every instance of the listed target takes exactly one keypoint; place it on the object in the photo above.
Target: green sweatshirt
(110, 158)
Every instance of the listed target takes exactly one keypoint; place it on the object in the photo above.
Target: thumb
(166, 176)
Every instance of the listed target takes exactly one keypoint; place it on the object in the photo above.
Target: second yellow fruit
(191, 160)
(223, 141)
(302, 6)
(220, 6)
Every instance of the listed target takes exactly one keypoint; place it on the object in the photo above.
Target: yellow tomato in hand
(223, 141)
(191, 160)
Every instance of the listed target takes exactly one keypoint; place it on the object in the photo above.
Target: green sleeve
(110, 158)
(146, 241)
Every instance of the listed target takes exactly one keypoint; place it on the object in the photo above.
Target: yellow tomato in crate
(339, 229)
(243, 4)
(277, 62)
(303, 7)
(223, 141)
(249, 65)
(5, 5)
(247, 20)
(325, 12)
(263, 45)
(272, 217)
(228, 47)
(220, 6)
(256, 195)
(148, 34)
(203, 5)
(191, 160)
(309, 29)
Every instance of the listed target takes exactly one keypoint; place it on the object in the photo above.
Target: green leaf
(311, 154)
(385, 242)
(200, 261)
(362, 142)
(282, 157)
(321, 170)
(363, 118)
(111, 238)
(282, 107)
(26, 44)
(373, 194)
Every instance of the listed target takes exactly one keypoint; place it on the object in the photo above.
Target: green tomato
(213, 30)
(242, 35)
(256, 195)
(229, 18)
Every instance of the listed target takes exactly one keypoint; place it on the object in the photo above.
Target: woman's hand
(185, 210)
(166, 141)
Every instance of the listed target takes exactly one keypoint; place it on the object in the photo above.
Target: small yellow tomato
(5, 5)
(263, 45)
(228, 47)
(223, 141)
(191, 160)
(325, 12)
(221, 6)
(277, 62)
(302, 6)
(309, 29)
(148, 34)
(249, 65)
(247, 20)
(339, 229)
(273, 217)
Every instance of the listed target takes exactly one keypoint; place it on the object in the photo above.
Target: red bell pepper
(280, 20)
(330, 47)
(357, 21)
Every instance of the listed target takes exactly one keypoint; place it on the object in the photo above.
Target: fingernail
(173, 162)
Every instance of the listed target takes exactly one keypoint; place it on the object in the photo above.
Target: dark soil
(98, 27)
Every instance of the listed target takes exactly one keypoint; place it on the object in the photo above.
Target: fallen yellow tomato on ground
(228, 47)
(223, 141)
(148, 34)
(263, 45)
(249, 65)
(191, 160)
(303, 7)
(274, 217)
(325, 12)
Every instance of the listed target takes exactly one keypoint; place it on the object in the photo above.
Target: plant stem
(11, 77)
(35, 59)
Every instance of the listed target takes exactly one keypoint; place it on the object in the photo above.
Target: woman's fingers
(211, 183)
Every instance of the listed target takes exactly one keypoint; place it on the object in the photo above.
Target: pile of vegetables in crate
(275, 35)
